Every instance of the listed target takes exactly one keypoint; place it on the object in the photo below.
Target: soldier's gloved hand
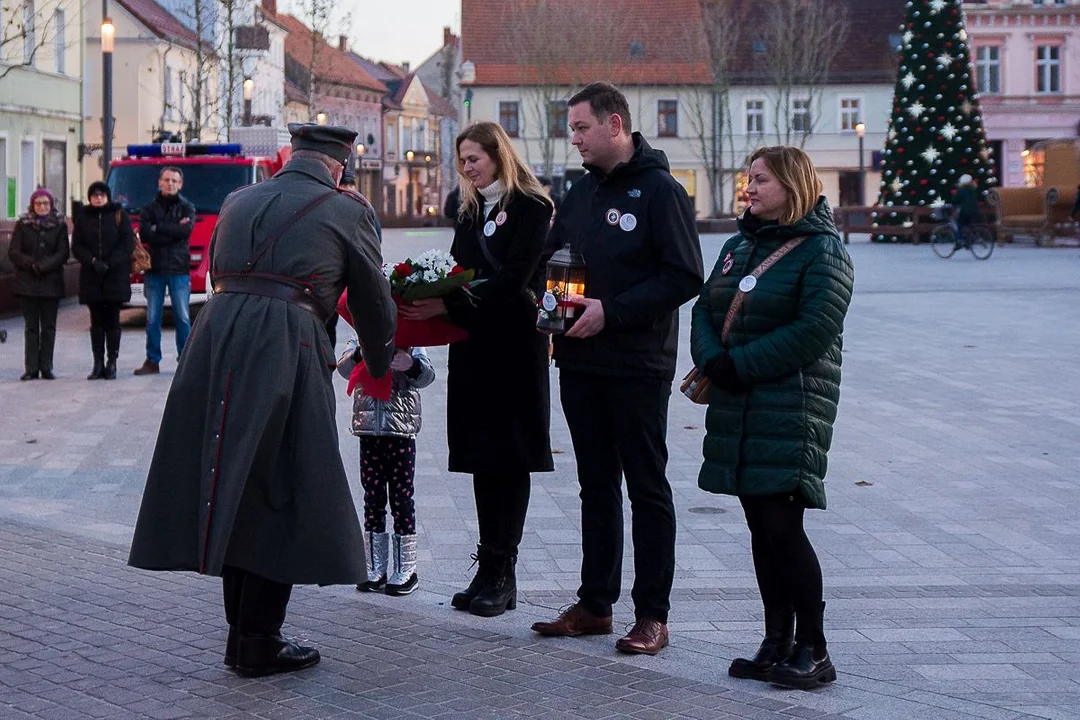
(100, 266)
(721, 371)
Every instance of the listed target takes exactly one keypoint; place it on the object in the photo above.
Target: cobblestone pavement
(949, 549)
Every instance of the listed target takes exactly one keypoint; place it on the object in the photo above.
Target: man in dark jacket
(165, 225)
(247, 482)
(634, 225)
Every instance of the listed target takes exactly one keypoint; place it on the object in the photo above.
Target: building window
(1048, 69)
(558, 121)
(988, 68)
(637, 50)
(390, 152)
(667, 118)
(755, 117)
(29, 32)
(61, 30)
(850, 113)
(508, 118)
(801, 122)
(170, 110)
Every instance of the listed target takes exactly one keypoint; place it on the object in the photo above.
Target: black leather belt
(282, 289)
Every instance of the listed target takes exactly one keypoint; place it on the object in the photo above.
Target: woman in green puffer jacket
(775, 387)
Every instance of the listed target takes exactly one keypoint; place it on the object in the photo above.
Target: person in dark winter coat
(165, 225)
(775, 387)
(498, 406)
(246, 482)
(634, 225)
(102, 241)
(39, 248)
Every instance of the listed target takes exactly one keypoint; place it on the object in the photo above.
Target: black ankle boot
(109, 373)
(499, 593)
(97, 346)
(462, 600)
(806, 668)
(777, 645)
(259, 655)
(99, 368)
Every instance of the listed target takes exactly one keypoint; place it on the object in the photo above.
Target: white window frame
(983, 66)
(678, 112)
(850, 116)
(1045, 69)
(808, 113)
(59, 42)
(29, 32)
(760, 113)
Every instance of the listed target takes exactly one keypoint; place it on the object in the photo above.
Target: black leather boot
(232, 642)
(777, 645)
(808, 665)
(259, 655)
(462, 600)
(97, 346)
(499, 593)
(112, 337)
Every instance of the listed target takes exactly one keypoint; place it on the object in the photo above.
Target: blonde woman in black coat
(38, 250)
(102, 241)
(498, 401)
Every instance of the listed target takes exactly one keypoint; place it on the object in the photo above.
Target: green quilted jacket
(773, 437)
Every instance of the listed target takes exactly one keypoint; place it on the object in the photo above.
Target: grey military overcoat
(246, 471)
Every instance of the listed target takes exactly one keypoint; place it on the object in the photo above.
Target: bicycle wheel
(943, 240)
(980, 241)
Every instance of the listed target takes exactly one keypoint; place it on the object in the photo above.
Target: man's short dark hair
(604, 101)
(171, 168)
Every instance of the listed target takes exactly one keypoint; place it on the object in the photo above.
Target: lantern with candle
(565, 278)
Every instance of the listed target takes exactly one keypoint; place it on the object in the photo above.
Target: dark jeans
(502, 501)
(39, 321)
(253, 604)
(387, 466)
(619, 427)
(787, 568)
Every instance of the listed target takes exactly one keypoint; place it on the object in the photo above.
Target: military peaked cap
(330, 140)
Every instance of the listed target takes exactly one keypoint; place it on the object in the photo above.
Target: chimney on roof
(270, 6)
(448, 37)
(343, 43)
(405, 66)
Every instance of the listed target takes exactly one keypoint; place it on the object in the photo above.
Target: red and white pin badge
(612, 216)
(729, 262)
(500, 218)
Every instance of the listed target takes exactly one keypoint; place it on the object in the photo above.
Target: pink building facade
(1026, 55)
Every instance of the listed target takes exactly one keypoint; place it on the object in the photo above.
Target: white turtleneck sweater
(491, 195)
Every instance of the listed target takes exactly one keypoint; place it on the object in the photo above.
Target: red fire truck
(211, 172)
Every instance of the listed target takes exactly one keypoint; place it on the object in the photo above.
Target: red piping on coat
(217, 472)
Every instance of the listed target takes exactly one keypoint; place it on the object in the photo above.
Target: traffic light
(468, 97)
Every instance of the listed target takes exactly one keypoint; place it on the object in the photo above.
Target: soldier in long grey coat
(246, 482)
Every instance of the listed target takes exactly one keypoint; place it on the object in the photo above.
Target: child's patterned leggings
(387, 465)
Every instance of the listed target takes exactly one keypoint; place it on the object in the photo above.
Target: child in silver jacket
(387, 430)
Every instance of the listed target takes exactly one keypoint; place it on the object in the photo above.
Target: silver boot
(377, 546)
(403, 581)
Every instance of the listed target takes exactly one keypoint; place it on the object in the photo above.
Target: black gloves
(100, 266)
(721, 371)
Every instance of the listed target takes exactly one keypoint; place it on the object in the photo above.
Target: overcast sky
(394, 30)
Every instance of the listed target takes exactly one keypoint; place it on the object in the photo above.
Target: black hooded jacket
(163, 230)
(635, 228)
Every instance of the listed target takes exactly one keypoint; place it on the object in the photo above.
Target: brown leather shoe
(647, 637)
(148, 368)
(575, 621)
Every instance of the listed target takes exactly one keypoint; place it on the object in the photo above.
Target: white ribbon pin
(748, 283)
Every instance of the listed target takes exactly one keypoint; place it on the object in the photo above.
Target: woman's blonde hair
(509, 169)
(793, 169)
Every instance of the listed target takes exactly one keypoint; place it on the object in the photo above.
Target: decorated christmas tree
(936, 132)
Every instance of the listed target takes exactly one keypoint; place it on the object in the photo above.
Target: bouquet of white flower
(432, 275)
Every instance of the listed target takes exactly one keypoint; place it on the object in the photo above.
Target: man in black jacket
(165, 225)
(634, 225)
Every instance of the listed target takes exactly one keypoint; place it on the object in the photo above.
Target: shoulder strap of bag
(737, 302)
(268, 243)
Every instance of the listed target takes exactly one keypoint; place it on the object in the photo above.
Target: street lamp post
(249, 86)
(860, 130)
(108, 36)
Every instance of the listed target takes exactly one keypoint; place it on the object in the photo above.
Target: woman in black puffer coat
(102, 241)
(38, 250)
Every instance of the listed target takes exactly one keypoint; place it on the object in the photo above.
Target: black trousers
(787, 568)
(619, 427)
(502, 501)
(253, 604)
(39, 328)
(105, 327)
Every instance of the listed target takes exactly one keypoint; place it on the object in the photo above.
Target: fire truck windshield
(205, 186)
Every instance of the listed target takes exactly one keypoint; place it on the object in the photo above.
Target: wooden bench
(915, 221)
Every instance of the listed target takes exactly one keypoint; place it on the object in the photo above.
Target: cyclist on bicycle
(966, 204)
